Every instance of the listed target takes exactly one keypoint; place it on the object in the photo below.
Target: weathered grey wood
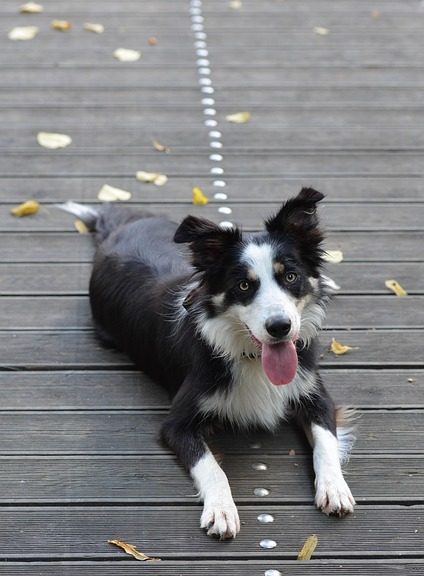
(72, 279)
(72, 247)
(114, 389)
(193, 567)
(115, 432)
(240, 189)
(375, 217)
(82, 532)
(345, 312)
(80, 349)
(148, 479)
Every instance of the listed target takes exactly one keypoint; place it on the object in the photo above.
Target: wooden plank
(345, 312)
(347, 216)
(240, 189)
(80, 349)
(393, 567)
(146, 480)
(72, 279)
(133, 432)
(114, 389)
(173, 532)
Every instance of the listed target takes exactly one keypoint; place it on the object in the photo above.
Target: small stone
(267, 544)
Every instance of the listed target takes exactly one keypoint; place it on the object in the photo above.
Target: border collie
(228, 323)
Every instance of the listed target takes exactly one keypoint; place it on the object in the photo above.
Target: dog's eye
(244, 285)
(290, 277)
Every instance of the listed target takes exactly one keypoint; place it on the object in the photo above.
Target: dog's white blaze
(332, 492)
(220, 514)
(253, 400)
(271, 299)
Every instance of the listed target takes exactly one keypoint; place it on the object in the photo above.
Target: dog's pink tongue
(279, 362)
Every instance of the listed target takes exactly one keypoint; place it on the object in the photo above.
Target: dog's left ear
(209, 243)
(298, 219)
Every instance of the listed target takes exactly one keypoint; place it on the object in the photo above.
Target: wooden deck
(344, 112)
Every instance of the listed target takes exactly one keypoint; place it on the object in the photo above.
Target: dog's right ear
(209, 243)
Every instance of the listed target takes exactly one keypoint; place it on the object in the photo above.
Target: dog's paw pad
(220, 520)
(333, 497)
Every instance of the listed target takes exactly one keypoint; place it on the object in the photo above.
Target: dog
(228, 323)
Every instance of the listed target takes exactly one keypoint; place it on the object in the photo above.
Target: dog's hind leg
(332, 494)
(220, 517)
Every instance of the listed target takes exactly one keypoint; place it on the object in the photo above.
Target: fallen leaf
(239, 117)
(338, 348)
(23, 33)
(321, 31)
(61, 25)
(308, 548)
(151, 178)
(236, 4)
(152, 41)
(132, 551)
(31, 8)
(292, 452)
(160, 147)
(333, 256)
(111, 194)
(199, 198)
(52, 140)
(395, 287)
(92, 27)
(81, 227)
(127, 55)
(26, 209)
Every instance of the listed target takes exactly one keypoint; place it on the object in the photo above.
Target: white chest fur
(253, 399)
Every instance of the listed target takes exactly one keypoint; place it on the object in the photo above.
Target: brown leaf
(395, 287)
(308, 548)
(338, 348)
(152, 41)
(132, 551)
(199, 198)
(81, 227)
(160, 147)
(26, 209)
(61, 25)
(239, 117)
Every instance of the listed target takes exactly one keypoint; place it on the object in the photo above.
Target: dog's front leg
(332, 494)
(220, 517)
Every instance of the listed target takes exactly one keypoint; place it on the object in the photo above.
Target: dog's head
(254, 289)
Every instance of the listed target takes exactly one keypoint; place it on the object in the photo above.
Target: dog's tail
(104, 219)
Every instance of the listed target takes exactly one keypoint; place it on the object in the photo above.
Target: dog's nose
(278, 326)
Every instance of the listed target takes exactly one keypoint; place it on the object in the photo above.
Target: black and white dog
(229, 325)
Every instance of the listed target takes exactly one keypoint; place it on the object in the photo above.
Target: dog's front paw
(220, 519)
(333, 496)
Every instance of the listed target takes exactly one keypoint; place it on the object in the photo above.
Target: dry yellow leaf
(31, 8)
(61, 25)
(395, 287)
(321, 31)
(239, 117)
(333, 256)
(151, 178)
(308, 548)
(199, 198)
(132, 551)
(23, 33)
(52, 140)
(81, 227)
(127, 55)
(160, 147)
(338, 348)
(111, 194)
(93, 27)
(26, 209)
